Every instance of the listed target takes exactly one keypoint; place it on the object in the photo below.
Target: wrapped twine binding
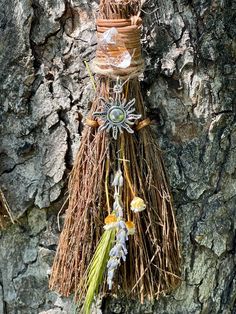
(129, 35)
(153, 261)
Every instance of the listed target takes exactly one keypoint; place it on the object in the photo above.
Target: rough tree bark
(189, 51)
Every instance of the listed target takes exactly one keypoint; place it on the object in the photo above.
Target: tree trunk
(188, 88)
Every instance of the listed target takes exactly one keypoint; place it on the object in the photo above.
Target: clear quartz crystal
(110, 39)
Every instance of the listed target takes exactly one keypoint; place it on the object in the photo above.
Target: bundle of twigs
(154, 251)
(152, 254)
(86, 212)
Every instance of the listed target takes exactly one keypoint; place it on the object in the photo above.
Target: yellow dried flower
(131, 227)
(137, 204)
(110, 222)
(110, 218)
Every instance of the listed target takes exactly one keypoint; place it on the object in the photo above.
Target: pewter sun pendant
(117, 114)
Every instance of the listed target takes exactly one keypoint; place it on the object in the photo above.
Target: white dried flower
(137, 204)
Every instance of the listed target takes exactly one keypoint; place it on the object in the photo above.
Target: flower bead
(137, 204)
(131, 227)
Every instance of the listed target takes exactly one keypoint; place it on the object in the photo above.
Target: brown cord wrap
(141, 124)
(92, 123)
(128, 39)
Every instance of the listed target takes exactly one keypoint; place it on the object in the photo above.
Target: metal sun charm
(117, 114)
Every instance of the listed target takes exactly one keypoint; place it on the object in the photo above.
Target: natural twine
(128, 40)
(140, 125)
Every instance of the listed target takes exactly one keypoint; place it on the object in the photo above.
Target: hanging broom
(120, 212)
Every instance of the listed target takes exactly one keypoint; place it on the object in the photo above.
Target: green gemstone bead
(116, 115)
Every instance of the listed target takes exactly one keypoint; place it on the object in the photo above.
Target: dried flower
(117, 206)
(118, 252)
(118, 179)
(131, 227)
(111, 222)
(137, 204)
